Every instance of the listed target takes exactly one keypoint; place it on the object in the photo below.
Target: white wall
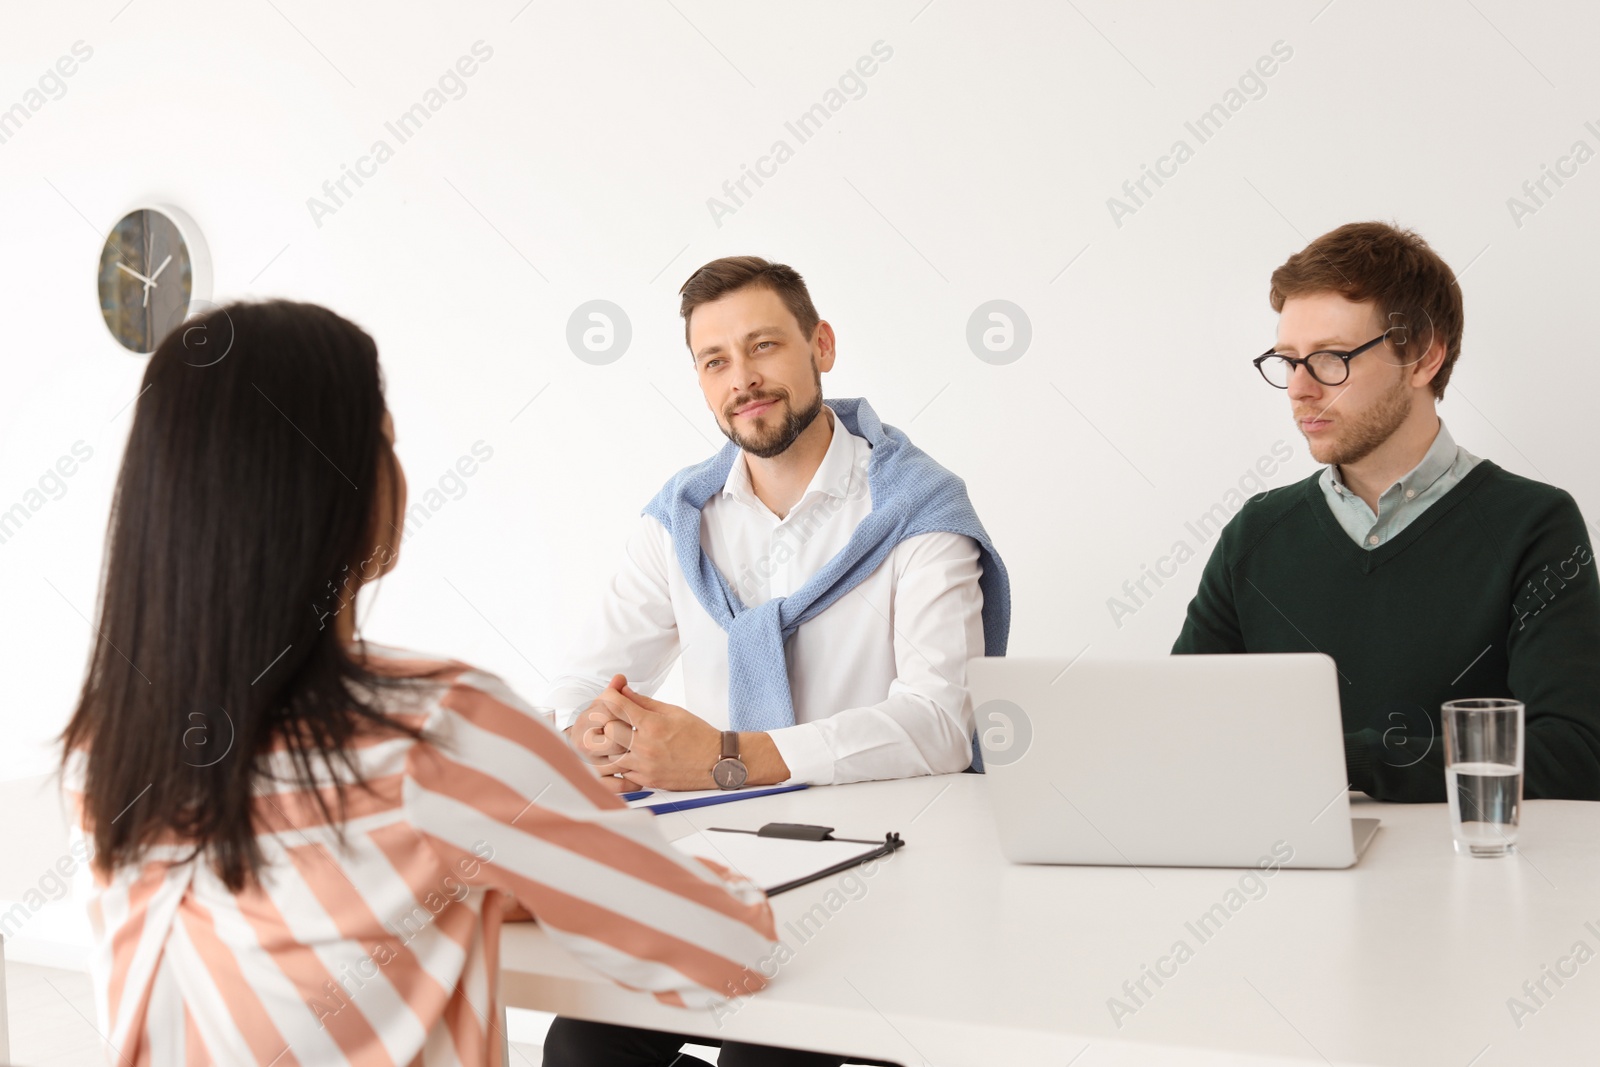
(976, 165)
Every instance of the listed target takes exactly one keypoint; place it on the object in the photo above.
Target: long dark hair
(243, 514)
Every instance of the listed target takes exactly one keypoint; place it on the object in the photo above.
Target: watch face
(728, 773)
(146, 279)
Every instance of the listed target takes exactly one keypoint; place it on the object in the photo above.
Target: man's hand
(600, 736)
(672, 748)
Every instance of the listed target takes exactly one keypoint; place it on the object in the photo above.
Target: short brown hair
(723, 276)
(1392, 267)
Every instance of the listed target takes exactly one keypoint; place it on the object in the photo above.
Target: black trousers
(576, 1043)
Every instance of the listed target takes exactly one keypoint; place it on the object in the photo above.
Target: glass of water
(1483, 774)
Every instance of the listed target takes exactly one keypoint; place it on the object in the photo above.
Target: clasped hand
(648, 743)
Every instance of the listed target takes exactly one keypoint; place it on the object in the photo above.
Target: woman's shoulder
(392, 661)
(432, 676)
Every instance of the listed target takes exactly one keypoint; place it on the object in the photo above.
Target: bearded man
(1428, 574)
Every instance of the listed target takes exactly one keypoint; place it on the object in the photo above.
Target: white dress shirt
(879, 679)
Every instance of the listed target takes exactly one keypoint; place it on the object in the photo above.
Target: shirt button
(1372, 540)
(1411, 494)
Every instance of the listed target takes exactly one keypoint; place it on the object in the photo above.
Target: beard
(1363, 433)
(766, 441)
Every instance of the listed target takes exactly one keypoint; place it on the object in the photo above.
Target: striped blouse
(385, 951)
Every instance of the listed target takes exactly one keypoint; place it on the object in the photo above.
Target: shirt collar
(834, 476)
(1439, 458)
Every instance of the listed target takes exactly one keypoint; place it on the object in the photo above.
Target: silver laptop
(1182, 761)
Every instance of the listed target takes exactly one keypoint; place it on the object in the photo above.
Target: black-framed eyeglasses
(1326, 366)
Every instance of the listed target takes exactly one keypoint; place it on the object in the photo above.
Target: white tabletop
(949, 955)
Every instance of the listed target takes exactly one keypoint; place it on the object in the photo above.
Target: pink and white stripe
(384, 951)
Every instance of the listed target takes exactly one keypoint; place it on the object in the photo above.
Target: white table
(952, 956)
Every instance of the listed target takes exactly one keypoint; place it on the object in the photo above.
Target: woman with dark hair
(305, 843)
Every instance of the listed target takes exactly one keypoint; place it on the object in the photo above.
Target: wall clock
(153, 269)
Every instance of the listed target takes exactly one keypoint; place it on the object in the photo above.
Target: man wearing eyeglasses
(1428, 574)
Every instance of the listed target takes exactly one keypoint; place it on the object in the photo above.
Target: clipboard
(783, 856)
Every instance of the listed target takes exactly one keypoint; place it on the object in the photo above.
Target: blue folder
(668, 806)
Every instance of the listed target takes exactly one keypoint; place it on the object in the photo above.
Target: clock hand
(159, 269)
(136, 274)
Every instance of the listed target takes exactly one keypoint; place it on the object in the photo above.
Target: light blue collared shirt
(1440, 471)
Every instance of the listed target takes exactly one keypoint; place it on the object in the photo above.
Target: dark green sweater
(1490, 592)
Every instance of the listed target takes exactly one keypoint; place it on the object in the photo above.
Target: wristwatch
(729, 771)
